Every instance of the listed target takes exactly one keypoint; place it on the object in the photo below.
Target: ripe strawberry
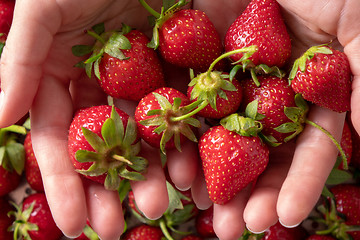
(185, 37)
(279, 232)
(260, 25)
(320, 237)
(162, 120)
(143, 232)
(12, 158)
(273, 96)
(32, 170)
(323, 76)
(204, 223)
(231, 160)
(103, 145)
(124, 66)
(34, 219)
(347, 202)
(5, 220)
(6, 16)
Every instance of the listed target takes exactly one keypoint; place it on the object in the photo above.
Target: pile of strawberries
(239, 87)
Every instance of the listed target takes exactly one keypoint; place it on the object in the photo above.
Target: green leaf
(2, 157)
(124, 189)
(164, 103)
(94, 140)
(174, 199)
(16, 153)
(81, 50)
(87, 156)
(119, 126)
(108, 132)
(338, 176)
(116, 42)
(135, 176)
(112, 180)
(139, 164)
(99, 28)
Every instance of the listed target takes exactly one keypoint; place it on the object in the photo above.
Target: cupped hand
(290, 186)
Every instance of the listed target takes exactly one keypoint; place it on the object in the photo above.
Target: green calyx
(12, 152)
(157, 19)
(300, 63)
(115, 153)
(106, 42)
(334, 222)
(172, 121)
(21, 226)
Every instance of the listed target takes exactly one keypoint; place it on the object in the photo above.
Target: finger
(260, 211)
(153, 187)
(199, 191)
(228, 219)
(105, 211)
(313, 160)
(51, 115)
(182, 166)
(20, 68)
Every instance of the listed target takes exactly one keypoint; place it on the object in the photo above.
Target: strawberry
(320, 237)
(204, 223)
(12, 158)
(143, 232)
(5, 220)
(6, 16)
(32, 170)
(260, 25)
(185, 37)
(279, 232)
(103, 145)
(273, 96)
(323, 76)
(34, 219)
(124, 66)
(88, 233)
(162, 120)
(232, 156)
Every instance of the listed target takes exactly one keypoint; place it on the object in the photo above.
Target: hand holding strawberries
(37, 50)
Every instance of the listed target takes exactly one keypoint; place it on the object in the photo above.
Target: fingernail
(289, 226)
(255, 232)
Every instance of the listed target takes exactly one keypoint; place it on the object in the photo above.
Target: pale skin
(37, 70)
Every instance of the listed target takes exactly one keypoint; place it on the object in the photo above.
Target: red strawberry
(279, 232)
(347, 202)
(12, 158)
(125, 67)
(88, 233)
(185, 37)
(32, 170)
(143, 232)
(6, 16)
(34, 219)
(261, 25)
(5, 220)
(320, 237)
(323, 76)
(161, 119)
(204, 223)
(103, 145)
(273, 96)
(231, 161)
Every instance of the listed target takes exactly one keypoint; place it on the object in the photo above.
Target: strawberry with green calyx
(5, 219)
(143, 232)
(33, 219)
(323, 76)
(341, 212)
(185, 37)
(273, 95)
(221, 94)
(123, 64)
(181, 210)
(260, 24)
(103, 145)
(12, 157)
(232, 156)
(165, 118)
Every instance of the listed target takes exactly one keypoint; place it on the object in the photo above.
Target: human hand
(290, 186)
(47, 84)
